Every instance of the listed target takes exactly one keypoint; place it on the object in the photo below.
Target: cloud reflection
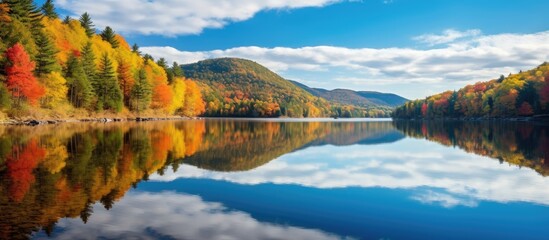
(452, 176)
(169, 215)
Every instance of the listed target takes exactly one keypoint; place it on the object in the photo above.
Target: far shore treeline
(54, 68)
(523, 94)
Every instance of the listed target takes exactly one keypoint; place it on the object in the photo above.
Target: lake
(275, 179)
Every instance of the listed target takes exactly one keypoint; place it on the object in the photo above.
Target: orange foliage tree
(20, 81)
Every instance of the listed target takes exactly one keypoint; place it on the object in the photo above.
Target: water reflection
(51, 172)
(517, 143)
(179, 216)
(83, 173)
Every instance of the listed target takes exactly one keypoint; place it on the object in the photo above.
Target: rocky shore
(35, 122)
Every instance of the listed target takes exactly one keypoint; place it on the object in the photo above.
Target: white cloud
(176, 17)
(448, 36)
(453, 176)
(176, 216)
(402, 70)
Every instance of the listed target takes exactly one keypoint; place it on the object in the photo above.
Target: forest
(66, 68)
(518, 95)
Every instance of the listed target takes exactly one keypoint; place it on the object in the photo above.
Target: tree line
(522, 94)
(59, 66)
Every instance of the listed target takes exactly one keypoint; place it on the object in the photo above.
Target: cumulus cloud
(176, 17)
(448, 36)
(482, 58)
(452, 176)
(176, 216)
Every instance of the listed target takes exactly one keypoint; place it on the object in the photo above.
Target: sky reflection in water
(339, 180)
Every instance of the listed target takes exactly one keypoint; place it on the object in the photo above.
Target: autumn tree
(193, 104)
(106, 86)
(110, 36)
(20, 81)
(87, 24)
(56, 89)
(49, 9)
(126, 81)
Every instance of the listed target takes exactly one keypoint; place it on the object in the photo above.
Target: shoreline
(36, 122)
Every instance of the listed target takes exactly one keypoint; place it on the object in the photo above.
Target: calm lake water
(275, 179)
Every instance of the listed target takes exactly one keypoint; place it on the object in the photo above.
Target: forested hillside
(242, 88)
(65, 68)
(367, 99)
(238, 87)
(522, 94)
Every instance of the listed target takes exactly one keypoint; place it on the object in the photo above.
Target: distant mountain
(357, 98)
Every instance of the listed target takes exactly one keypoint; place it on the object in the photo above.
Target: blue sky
(412, 48)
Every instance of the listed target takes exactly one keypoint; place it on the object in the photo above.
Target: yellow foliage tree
(56, 89)
(179, 89)
(193, 105)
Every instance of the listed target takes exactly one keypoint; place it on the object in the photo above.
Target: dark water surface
(275, 179)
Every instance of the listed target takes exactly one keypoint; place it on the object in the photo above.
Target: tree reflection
(517, 143)
(52, 172)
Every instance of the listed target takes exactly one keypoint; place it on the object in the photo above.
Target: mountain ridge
(359, 98)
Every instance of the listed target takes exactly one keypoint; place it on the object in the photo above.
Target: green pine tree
(141, 92)
(107, 87)
(177, 70)
(87, 24)
(67, 20)
(110, 36)
(45, 58)
(88, 62)
(80, 89)
(49, 9)
(135, 49)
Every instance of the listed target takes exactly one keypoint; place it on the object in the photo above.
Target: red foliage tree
(21, 163)
(20, 80)
(424, 109)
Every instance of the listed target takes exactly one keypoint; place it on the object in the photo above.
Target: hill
(358, 98)
(242, 88)
(522, 94)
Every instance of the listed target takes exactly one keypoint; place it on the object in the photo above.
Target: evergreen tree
(106, 87)
(80, 89)
(88, 62)
(45, 59)
(87, 24)
(147, 57)
(49, 9)
(26, 12)
(162, 63)
(135, 49)
(177, 70)
(67, 20)
(110, 36)
(141, 92)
